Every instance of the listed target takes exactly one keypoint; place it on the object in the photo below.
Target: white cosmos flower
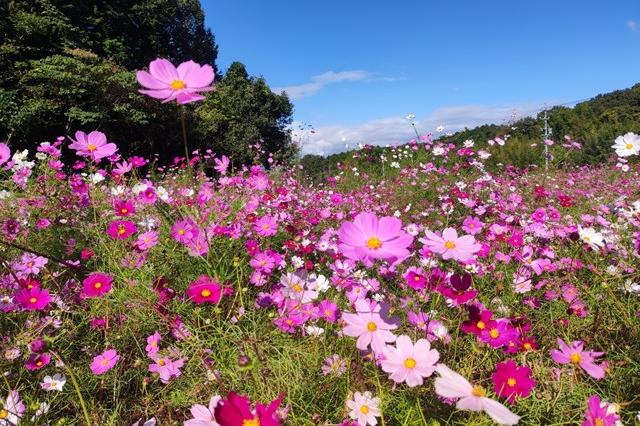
(627, 145)
(55, 383)
(591, 237)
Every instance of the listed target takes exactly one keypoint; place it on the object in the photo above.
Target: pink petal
(163, 70)
(499, 413)
(149, 81)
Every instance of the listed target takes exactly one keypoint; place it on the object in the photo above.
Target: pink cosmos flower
(13, 408)
(221, 164)
(94, 145)
(5, 153)
(369, 327)
(204, 290)
(365, 408)
(574, 354)
(452, 385)
(121, 229)
(450, 246)
(499, 333)
(124, 207)
(97, 284)
(408, 362)
(266, 226)
(33, 299)
(510, 380)
(599, 414)
(472, 225)
(166, 368)
(184, 83)
(368, 238)
(153, 344)
(146, 240)
(184, 231)
(236, 411)
(204, 416)
(37, 361)
(104, 362)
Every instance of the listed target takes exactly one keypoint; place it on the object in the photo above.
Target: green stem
(184, 134)
(77, 388)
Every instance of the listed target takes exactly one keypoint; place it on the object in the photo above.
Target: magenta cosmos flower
(104, 362)
(97, 284)
(204, 290)
(408, 362)
(598, 413)
(184, 83)
(511, 381)
(37, 361)
(236, 411)
(369, 327)
(368, 238)
(33, 299)
(5, 153)
(94, 145)
(450, 246)
(121, 229)
(576, 355)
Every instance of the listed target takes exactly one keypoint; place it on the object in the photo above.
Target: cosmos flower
(450, 246)
(409, 362)
(5, 153)
(221, 164)
(369, 327)
(266, 226)
(94, 145)
(184, 83)
(204, 290)
(364, 408)
(97, 284)
(55, 383)
(511, 381)
(450, 384)
(166, 368)
(121, 229)
(599, 414)
(236, 410)
(576, 355)
(368, 238)
(33, 299)
(589, 235)
(153, 344)
(37, 361)
(627, 145)
(204, 416)
(104, 362)
(12, 409)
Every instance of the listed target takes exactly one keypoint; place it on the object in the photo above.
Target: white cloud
(319, 81)
(633, 25)
(391, 130)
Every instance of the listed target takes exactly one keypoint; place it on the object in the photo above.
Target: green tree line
(68, 65)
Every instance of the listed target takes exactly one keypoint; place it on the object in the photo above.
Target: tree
(242, 111)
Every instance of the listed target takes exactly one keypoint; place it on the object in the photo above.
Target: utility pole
(547, 131)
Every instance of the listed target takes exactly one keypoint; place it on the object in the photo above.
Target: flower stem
(77, 388)
(184, 134)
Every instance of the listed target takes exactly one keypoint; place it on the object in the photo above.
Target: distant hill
(594, 123)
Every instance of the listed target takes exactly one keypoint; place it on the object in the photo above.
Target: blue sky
(354, 69)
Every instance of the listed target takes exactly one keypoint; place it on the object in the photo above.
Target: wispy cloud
(391, 130)
(633, 25)
(319, 81)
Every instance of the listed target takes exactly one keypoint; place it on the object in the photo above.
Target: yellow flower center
(39, 363)
(371, 326)
(178, 84)
(33, 300)
(374, 243)
(527, 346)
(449, 245)
(575, 358)
(91, 147)
(478, 391)
(364, 409)
(494, 333)
(266, 226)
(297, 288)
(481, 325)
(104, 361)
(205, 293)
(121, 230)
(511, 382)
(161, 362)
(181, 232)
(628, 146)
(97, 285)
(327, 313)
(410, 363)
(4, 414)
(598, 421)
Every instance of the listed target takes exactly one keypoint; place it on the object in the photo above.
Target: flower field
(437, 291)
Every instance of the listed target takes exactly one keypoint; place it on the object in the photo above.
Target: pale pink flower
(94, 145)
(364, 408)
(450, 246)
(369, 327)
(184, 83)
(408, 362)
(204, 416)
(452, 385)
(576, 355)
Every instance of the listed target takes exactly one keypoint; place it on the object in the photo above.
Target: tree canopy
(67, 65)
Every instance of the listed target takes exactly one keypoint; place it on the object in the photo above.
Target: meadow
(426, 287)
